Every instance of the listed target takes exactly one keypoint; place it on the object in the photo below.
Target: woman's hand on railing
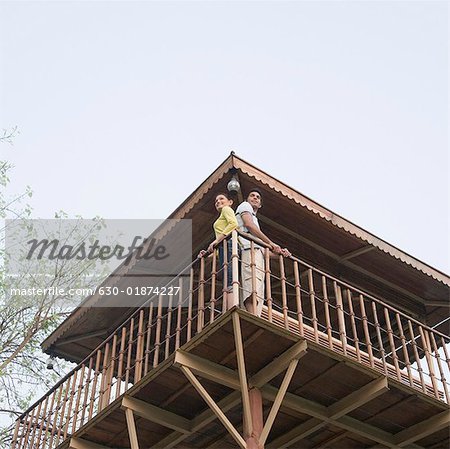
(202, 253)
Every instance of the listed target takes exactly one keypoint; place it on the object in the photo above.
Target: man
(247, 222)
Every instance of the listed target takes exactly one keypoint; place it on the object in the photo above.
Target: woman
(223, 226)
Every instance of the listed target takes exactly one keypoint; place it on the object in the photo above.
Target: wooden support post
(256, 408)
(242, 374)
(131, 429)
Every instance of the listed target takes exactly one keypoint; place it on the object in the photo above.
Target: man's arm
(255, 231)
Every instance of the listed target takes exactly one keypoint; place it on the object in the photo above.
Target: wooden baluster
(15, 437)
(34, 425)
(212, 300)
(283, 292)
(366, 331)
(78, 395)
(312, 299)
(158, 332)
(48, 420)
(326, 303)
(179, 310)
(235, 267)
(55, 419)
(201, 297)
(405, 349)
(94, 384)
(392, 343)
(298, 298)
(168, 329)
(224, 270)
(111, 369)
(129, 353)
(440, 367)
(123, 340)
(69, 409)
(103, 401)
(416, 356)
(140, 348)
(86, 390)
(380, 339)
(43, 422)
(268, 284)
(70, 388)
(30, 418)
(191, 295)
(428, 358)
(353, 324)
(444, 346)
(148, 342)
(341, 317)
(253, 272)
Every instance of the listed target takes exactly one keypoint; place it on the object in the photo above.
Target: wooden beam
(79, 443)
(358, 398)
(423, 429)
(157, 415)
(357, 252)
(214, 407)
(301, 405)
(208, 370)
(279, 364)
(277, 402)
(131, 425)
(335, 411)
(248, 426)
(80, 337)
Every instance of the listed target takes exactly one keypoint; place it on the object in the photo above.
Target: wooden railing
(298, 297)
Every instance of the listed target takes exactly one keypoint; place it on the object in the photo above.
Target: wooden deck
(331, 402)
(370, 374)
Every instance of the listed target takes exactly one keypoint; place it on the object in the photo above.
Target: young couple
(245, 219)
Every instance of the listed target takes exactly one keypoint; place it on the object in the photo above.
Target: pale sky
(124, 108)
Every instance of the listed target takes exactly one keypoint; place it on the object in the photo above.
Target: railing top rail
(104, 342)
(365, 294)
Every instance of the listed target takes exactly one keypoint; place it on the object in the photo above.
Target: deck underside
(331, 401)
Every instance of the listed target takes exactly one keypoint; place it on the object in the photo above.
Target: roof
(310, 231)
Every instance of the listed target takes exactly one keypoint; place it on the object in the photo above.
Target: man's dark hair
(255, 190)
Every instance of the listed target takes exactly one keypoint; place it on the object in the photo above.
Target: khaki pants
(248, 285)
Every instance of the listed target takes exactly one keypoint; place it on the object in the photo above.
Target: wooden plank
(157, 414)
(214, 407)
(423, 429)
(80, 443)
(207, 369)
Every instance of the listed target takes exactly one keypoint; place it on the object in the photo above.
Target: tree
(25, 320)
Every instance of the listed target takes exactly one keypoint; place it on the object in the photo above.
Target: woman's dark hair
(227, 195)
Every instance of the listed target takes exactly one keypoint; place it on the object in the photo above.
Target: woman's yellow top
(226, 222)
